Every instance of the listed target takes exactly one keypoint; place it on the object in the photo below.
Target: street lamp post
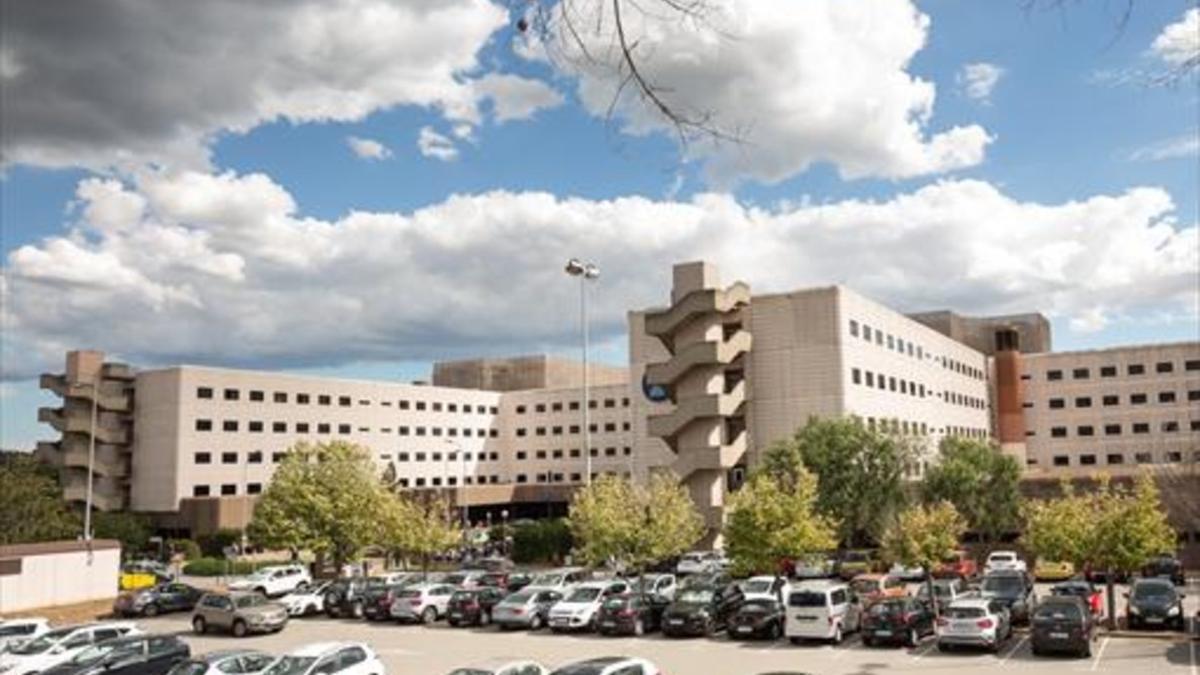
(585, 271)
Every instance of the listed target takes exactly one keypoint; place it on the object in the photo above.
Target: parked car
(129, 655)
(1165, 566)
(998, 561)
(764, 587)
(489, 564)
(696, 562)
(703, 579)
(377, 597)
(329, 658)
(15, 631)
(609, 665)
(239, 612)
(465, 578)
(1083, 589)
(473, 606)
(343, 597)
(561, 578)
(425, 603)
(905, 573)
(1154, 603)
(658, 585)
(945, 591)
(527, 608)
(854, 563)
(959, 564)
(1100, 576)
(1062, 623)
(819, 566)
(821, 611)
(871, 587)
(225, 662)
(503, 667)
(757, 618)
(306, 601)
(274, 581)
(701, 610)
(513, 581)
(579, 606)
(169, 597)
(1053, 570)
(897, 620)
(1014, 589)
(630, 614)
(59, 646)
(973, 622)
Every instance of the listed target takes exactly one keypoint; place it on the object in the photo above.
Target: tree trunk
(933, 601)
(1112, 601)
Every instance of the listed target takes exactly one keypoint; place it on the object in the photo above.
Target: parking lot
(437, 649)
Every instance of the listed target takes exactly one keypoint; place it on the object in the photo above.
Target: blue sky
(1089, 171)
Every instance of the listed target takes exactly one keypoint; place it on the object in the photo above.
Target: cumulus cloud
(824, 81)
(516, 98)
(367, 148)
(1184, 145)
(195, 267)
(114, 83)
(978, 80)
(1179, 42)
(435, 145)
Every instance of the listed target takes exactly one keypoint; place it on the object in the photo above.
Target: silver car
(239, 613)
(527, 608)
(425, 603)
(974, 622)
(224, 662)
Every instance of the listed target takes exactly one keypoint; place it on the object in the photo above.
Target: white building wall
(59, 578)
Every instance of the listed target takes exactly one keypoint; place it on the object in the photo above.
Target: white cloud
(222, 268)
(433, 144)
(366, 148)
(516, 98)
(1179, 42)
(1184, 145)
(824, 81)
(979, 79)
(187, 71)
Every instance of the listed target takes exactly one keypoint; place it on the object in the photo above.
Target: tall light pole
(87, 508)
(586, 271)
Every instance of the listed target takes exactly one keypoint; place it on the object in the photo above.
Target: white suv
(1004, 560)
(59, 646)
(15, 631)
(329, 658)
(577, 610)
(699, 562)
(423, 602)
(274, 581)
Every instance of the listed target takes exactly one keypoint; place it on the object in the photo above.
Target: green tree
(541, 541)
(770, 520)
(131, 529)
(325, 498)
(615, 520)
(31, 504)
(1060, 529)
(981, 483)
(922, 536)
(410, 526)
(860, 473)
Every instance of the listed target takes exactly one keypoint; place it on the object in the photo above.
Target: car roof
(819, 585)
(497, 662)
(971, 602)
(1012, 553)
(1005, 573)
(322, 648)
(763, 577)
(1153, 581)
(1061, 600)
(222, 654)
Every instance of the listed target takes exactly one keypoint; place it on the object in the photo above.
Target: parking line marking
(840, 650)
(1099, 654)
(1014, 650)
(931, 647)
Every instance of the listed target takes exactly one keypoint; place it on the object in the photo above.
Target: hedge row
(215, 567)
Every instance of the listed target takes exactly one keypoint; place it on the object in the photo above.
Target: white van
(821, 611)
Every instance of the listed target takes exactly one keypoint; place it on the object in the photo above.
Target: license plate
(883, 633)
(805, 618)
(608, 624)
(1059, 636)
(455, 615)
(1153, 619)
(675, 622)
(744, 629)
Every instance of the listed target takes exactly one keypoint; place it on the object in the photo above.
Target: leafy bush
(189, 548)
(541, 541)
(213, 545)
(215, 567)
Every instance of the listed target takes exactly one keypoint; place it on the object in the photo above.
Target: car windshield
(806, 599)
(696, 595)
(247, 601)
(1153, 591)
(756, 586)
(1057, 612)
(965, 612)
(1002, 557)
(518, 598)
(41, 644)
(939, 591)
(95, 653)
(864, 586)
(760, 605)
(886, 608)
(690, 557)
(617, 603)
(455, 579)
(290, 665)
(1003, 585)
(1071, 589)
(583, 595)
(546, 580)
(189, 668)
(460, 596)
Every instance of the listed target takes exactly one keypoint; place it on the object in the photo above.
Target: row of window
(258, 395)
(1086, 430)
(609, 427)
(890, 383)
(898, 426)
(225, 490)
(549, 477)
(557, 406)
(1113, 458)
(1161, 367)
(258, 426)
(1113, 399)
(898, 344)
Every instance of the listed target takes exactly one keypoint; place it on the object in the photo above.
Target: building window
(1170, 427)
(870, 379)
(1195, 425)
(277, 457)
(322, 428)
(1191, 364)
(1058, 432)
(420, 431)
(200, 491)
(420, 482)
(1143, 458)
(1141, 428)
(255, 426)
(279, 427)
(1194, 395)
(1087, 460)
(521, 455)
(540, 431)
(540, 454)
(1108, 371)
(1164, 367)
(1174, 457)
(204, 392)
(302, 427)
(1115, 458)
(1062, 460)
(324, 399)
(302, 399)
(1137, 399)
(1054, 375)
(1083, 401)
(521, 431)
(420, 457)
(343, 428)
(403, 405)
(253, 488)
(403, 431)
(866, 332)
(521, 478)
(1056, 403)
(279, 397)
(1136, 369)
(256, 395)
(255, 457)
(1080, 374)
(1111, 399)
(437, 407)
(229, 425)
(203, 425)
(540, 408)
(232, 395)
(228, 490)
(891, 342)
(453, 407)
(1086, 430)
(1166, 397)
(229, 458)
(202, 458)
(1112, 429)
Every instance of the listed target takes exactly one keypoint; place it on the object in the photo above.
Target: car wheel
(199, 626)
(262, 591)
(452, 622)
(1086, 652)
(429, 615)
(837, 634)
(914, 638)
(150, 610)
(868, 642)
(796, 641)
(535, 623)
(943, 647)
(356, 610)
(776, 632)
(239, 628)
(1035, 650)
(639, 628)
(485, 618)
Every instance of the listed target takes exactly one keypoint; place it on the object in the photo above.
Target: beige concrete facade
(522, 373)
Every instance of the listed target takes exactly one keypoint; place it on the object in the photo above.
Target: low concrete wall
(58, 573)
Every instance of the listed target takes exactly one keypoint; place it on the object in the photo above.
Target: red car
(959, 564)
